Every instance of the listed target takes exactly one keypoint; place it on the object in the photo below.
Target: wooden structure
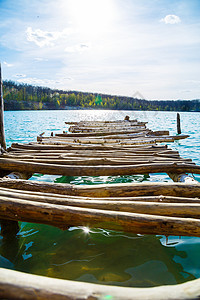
(95, 148)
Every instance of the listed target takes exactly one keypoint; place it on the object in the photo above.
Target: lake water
(96, 255)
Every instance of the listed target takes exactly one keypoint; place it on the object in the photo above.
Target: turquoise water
(97, 255)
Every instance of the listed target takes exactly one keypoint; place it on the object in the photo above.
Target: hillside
(28, 97)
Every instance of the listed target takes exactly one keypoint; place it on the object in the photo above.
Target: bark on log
(88, 134)
(179, 209)
(98, 161)
(65, 216)
(107, 190)
(106, 170)
(58, 198)
(18, 285)
(138, 139)
(73, 147)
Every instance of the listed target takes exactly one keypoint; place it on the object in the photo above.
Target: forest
(28, 97)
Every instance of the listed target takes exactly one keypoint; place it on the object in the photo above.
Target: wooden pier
(98, 148)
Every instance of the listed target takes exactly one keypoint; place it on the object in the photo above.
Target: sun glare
(86, 230)
(91, 16)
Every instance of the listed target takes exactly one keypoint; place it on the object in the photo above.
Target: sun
(91, 17)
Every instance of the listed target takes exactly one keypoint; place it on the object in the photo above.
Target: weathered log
(188, 210)
(32, 146)
(70, 137)
(104, 133)
(58, 198)
(22, 147)
(136, 139)
(108, 129)
(96, 153)
(96, 157)
(65, 216)
(86, 161)
(101, 121)
(100, 170)
(93, 126)
(107, 190)
(24, 286)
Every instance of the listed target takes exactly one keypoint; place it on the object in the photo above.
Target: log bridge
(94, 148)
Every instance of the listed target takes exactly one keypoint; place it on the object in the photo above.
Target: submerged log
(24, 286)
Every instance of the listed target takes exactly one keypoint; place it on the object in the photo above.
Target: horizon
(111, 47)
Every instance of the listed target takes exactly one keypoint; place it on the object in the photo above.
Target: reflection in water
(96, 255)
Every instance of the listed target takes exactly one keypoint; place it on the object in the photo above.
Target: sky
(119, 47)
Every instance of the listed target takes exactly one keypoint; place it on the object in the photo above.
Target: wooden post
(2, 134)
(10, 228)
(178, 124)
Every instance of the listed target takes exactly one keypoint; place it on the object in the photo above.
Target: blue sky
(106, 46)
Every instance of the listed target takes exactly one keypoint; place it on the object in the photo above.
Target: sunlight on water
(98, 255)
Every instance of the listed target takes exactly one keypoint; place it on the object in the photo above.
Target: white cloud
(76, 48)
(37, 81)
(7, 64)
(171, 19)
(20, 75)
(45, 38)
(40, 59)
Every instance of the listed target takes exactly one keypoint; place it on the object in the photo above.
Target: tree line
(28, 97)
